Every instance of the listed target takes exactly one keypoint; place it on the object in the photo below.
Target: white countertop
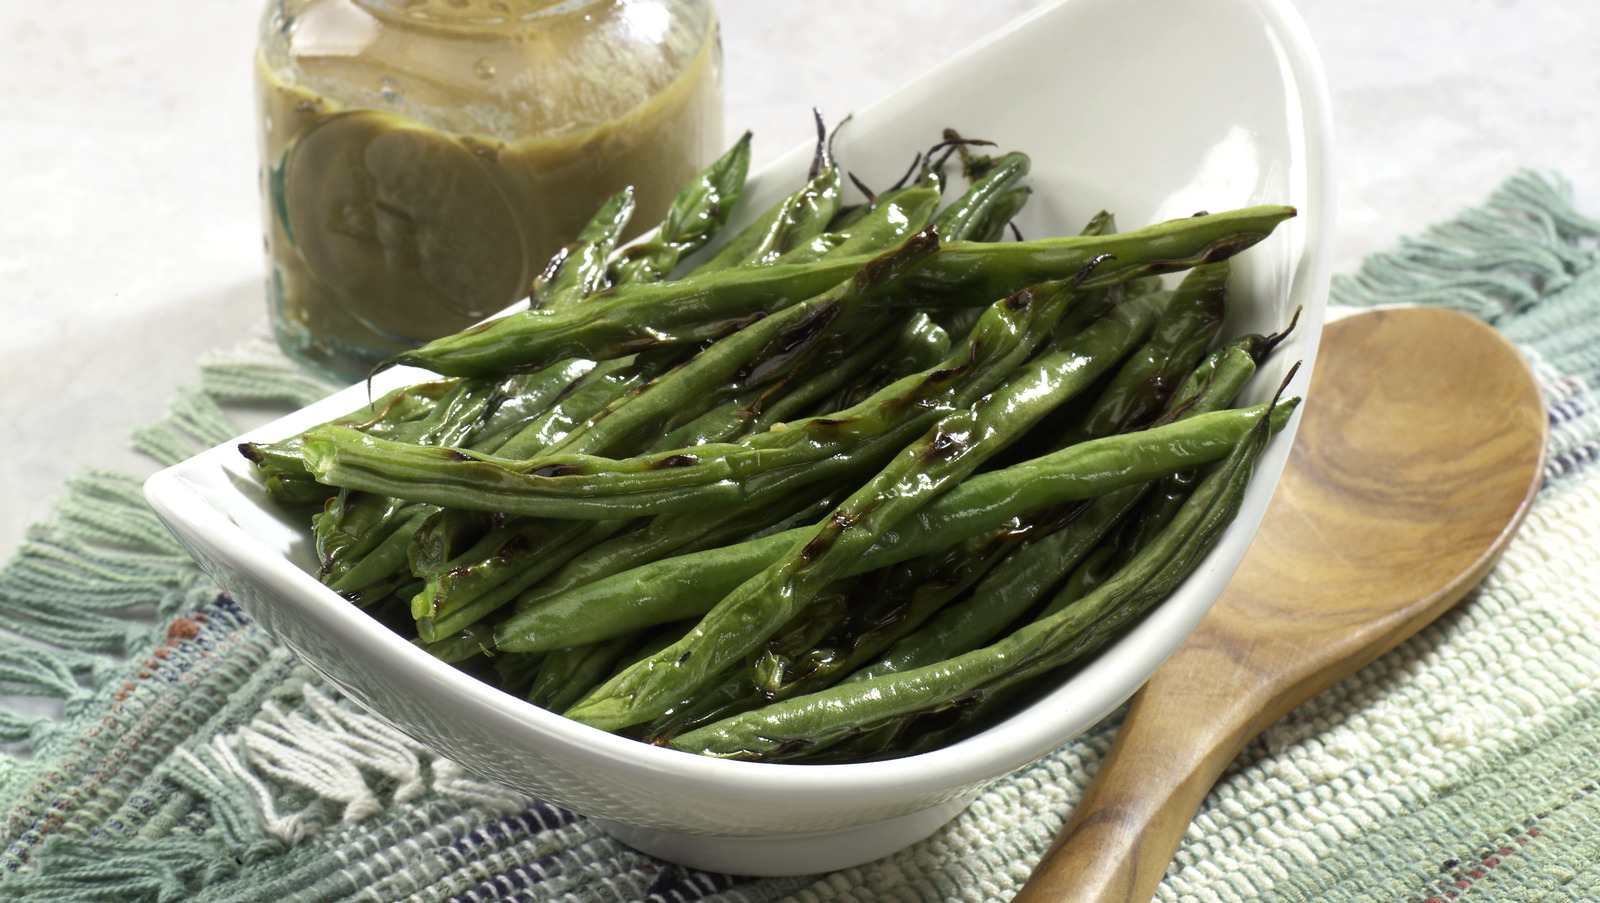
(129, 223)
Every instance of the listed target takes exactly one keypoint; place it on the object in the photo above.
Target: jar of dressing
(421, 160)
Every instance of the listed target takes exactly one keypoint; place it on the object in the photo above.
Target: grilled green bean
(626, 319)
(819, 719)
(744, 617)
(971, 217)
(1141, 387)
(585, 486)
(687, 585)
(751, 356)
(892, 612)
(893, 220)
(1017, 584)
(699, 211)
(566, 674)
(579, 269)
(791, 221)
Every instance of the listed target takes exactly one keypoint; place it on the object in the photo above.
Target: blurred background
(130, 240)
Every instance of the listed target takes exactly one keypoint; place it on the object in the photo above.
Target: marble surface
(129, 223)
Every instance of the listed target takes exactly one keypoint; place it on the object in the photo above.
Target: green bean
(790, 222)
(735, 692)
(574, 671)
(819, 719)
(892, 221)
(870, 340)
(582, 399)
(794, 333)
(1211, 385)
(1007, 591)
(749, 357)
(688, 585)
(367, 520)
(1022, 580)
(384, 560)
(393, 416)
(746, 616)
(352, 524)
(474, 642)
(1102, 223)
(760, 465)
(590, 390)
(358, 524)
(991, 225)
(926, 177)
(1141, 387)
(851, 347)
(661, 537)
(504, 563)
(698, 212)
(582, 486)
(891, 613)
(716, 420)
(970, 216)
(579, 269)
(279, 464)
(387, 604)
(517, 673)
(744, 687)
(459, 414)
(566, 674)
(626, 319)
(483, 579)
(919, 345)
(521, 400)
(981, 215)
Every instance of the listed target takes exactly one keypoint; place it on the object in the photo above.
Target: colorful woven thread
(159, 747)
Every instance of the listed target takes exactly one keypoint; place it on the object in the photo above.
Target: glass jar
(422, 160)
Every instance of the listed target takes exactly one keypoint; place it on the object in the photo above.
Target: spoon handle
(1121, 837)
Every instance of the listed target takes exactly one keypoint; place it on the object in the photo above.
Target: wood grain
(1421, 448)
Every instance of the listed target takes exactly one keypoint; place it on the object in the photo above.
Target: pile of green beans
(842, 485)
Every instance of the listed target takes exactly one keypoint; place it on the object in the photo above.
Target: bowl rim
(965, 763)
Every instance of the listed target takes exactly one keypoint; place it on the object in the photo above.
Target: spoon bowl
(1420, 450)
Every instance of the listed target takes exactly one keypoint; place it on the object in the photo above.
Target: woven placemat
(158, 746)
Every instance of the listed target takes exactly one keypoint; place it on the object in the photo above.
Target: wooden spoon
(1420, 451)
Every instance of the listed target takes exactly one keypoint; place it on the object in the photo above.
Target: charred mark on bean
(514, 546)
(560, 469)
(672, 461)
(886, 267)
(786, 345)
(838, 522)
(1019, 301)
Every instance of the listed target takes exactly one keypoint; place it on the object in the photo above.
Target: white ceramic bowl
(1153, 109)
